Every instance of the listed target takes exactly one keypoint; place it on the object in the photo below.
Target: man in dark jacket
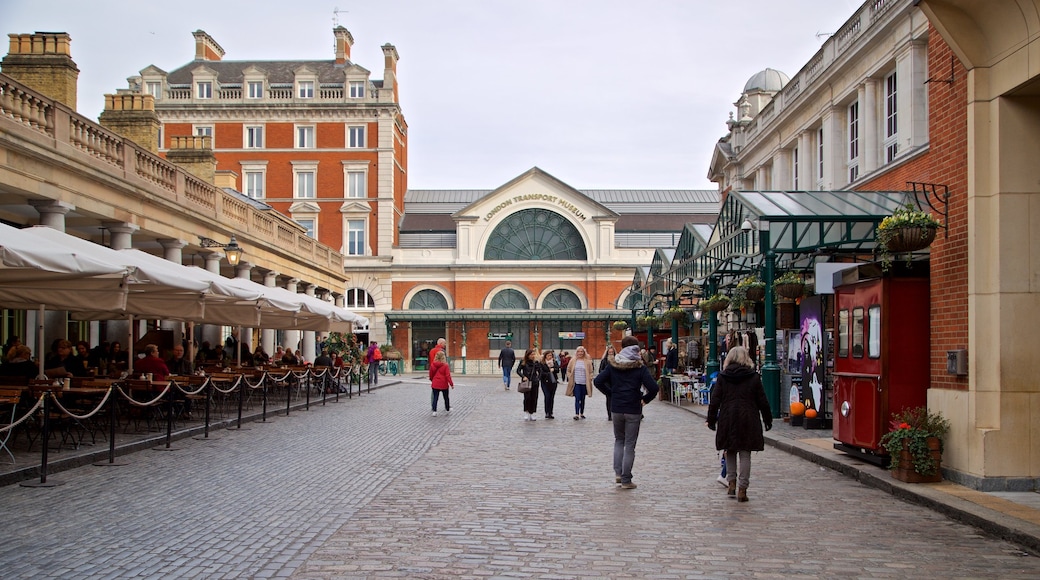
(506, 362)
(630, 386)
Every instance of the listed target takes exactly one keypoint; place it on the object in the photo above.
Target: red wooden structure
(881, 353)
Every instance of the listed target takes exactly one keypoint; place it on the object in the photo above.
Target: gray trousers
(738, 467)
(626, 432)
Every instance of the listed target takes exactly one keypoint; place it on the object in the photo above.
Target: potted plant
(648, 321)
(753, 288)
(915, 445)
(908, 229)
(716, 303)
(789, 285)
(620, 325)
(676, 313)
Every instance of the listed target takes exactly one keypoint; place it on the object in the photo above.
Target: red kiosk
(881, 354)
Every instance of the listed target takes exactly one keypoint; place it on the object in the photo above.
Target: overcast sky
(599, 93)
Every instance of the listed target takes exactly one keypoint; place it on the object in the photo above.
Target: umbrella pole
(39, 341)
(130, 346)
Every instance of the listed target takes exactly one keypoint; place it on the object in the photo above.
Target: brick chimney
(390, 58)
(226, 179)
(344, 40)
(195, 155)
(206, 48)
(43, 62)
(133, 116)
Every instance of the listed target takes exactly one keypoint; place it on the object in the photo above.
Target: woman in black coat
(737, 401)
(531, 369)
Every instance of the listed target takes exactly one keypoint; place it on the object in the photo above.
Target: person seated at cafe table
(118, 359)
(82, 358)
(178, 364)
(260, 356)
(323, 359)
(61, 363)
(289, 358)
(19, 363)
(152, 364)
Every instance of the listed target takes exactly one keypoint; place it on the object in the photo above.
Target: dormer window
(204, 90)
(255, 90)
(154, 88)
(357, 89)
(305, 89)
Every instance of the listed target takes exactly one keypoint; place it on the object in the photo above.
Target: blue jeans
(626, 432)
(373, 371)
(507, 376)
(435, 394)
(579, 399)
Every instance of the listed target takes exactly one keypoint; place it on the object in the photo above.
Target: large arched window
(428, 300)
(630, 302)
(510, 299)
(358, 298)
(535, 234)
(561, 300)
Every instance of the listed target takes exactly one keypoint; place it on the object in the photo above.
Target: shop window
(874, 331)
(857, 332)
(843, 333)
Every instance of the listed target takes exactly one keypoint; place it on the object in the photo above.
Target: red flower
(904, 425)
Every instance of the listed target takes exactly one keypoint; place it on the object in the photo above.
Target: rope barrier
(137, 403)
(27, 416)
(62, 408)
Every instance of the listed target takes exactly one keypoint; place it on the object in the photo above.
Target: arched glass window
(561, 300)
(428, 300)
(535, 234)
(510, 299)
(630, 302)
(358, 298)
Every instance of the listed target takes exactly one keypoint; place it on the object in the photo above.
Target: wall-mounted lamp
(232, 250)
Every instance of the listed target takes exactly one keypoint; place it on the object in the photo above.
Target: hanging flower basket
(756, 293)
(647, 322)
(620, 325)
(907, 230)
(676, 313)
(790, 285)
(910, 238)
(716, 303)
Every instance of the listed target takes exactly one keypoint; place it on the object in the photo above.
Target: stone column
(172, 252)
(52, 213)
(242, 270)
(338, 299)
(267, 335)
(211, 332)
(308, 335)
(292, 337)
(122, 234)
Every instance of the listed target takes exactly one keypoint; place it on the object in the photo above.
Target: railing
(151, 174)
(43, 414)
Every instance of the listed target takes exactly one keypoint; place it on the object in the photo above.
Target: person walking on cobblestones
(530, 368)
(550, 379)
(506, 362)
(579, 372)
(626, 378)
(373, 356)
(440, 381)
(733, 413)
(608, 355)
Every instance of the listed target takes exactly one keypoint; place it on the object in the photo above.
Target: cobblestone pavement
(377, 487)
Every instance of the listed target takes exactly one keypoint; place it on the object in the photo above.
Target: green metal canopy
(801, 226)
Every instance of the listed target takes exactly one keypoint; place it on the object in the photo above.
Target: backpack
(376, 354)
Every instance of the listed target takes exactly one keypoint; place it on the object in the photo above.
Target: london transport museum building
(927, 102)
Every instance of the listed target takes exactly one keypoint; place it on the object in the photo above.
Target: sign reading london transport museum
(522, 199)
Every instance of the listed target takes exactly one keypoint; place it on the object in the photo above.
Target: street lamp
(232, 250)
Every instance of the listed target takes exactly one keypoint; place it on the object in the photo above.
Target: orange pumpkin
(810, 413)
(797, 408)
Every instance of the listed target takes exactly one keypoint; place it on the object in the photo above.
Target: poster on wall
(813, 355)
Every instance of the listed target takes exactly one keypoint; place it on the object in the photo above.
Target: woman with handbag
(550, 379)
(530, 371)
(579, 375)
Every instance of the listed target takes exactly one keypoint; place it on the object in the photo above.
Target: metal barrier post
(46, 440)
